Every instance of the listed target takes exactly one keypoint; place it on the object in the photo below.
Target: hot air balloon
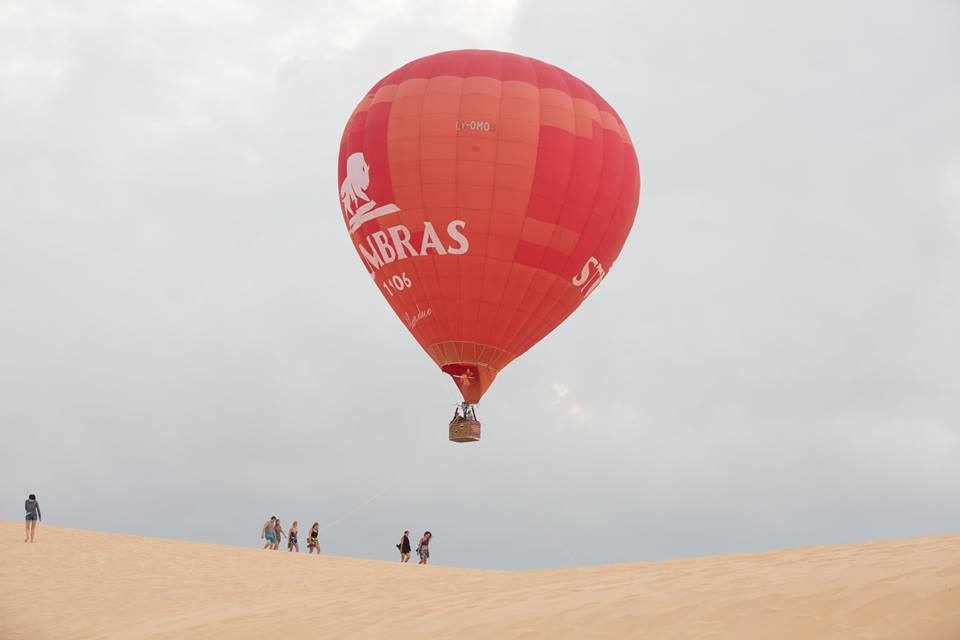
(487, 194)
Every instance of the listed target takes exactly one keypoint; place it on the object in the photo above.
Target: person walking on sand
(423, 547)
(404, 547)
(313, 539)
(32, 518)
(266, 532)
(292, 544)
(278, 534)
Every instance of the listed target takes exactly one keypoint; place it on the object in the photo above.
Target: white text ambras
(383, 247)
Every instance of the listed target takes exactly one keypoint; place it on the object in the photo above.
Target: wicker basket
(463, 430)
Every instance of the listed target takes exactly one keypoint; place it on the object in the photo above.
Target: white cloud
(220, 59)
(560, 390)
(568, 403)
(578, 412)
(950, 189)
(488, 20)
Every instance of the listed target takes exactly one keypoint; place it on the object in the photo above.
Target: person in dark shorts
(423, 547)
(292, 544)
(313, 539)
(32, 518)
(404, 547)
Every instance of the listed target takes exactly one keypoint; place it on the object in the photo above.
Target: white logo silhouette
(353, 190)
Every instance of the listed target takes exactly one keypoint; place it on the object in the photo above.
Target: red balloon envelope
(487, 194)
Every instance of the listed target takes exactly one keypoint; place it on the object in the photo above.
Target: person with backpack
(33, 517)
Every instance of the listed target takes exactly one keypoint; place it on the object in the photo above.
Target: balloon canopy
(487, 194)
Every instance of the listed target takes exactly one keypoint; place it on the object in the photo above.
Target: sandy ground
(82, 584)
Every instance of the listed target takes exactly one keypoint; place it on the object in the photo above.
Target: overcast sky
(189, 343)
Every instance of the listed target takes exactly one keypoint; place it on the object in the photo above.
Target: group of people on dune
(423, 547)
(272, 533)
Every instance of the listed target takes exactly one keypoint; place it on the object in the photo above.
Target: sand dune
(81, 584)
